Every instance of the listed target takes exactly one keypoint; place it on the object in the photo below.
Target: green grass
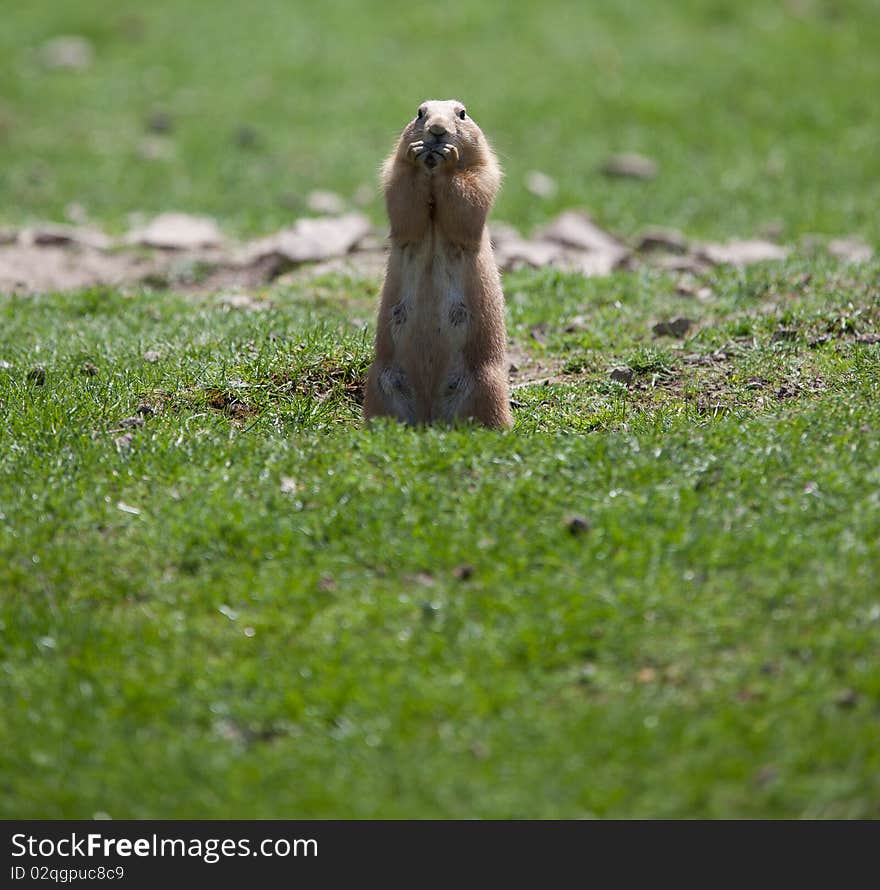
(260, 609)
(222, 596)
(757, 113)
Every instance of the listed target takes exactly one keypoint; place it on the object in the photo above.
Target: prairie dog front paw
(450, 155)
(416, 151)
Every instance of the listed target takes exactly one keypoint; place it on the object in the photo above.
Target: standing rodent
(441, 347)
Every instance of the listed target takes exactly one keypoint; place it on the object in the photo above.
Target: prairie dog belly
(429, 325)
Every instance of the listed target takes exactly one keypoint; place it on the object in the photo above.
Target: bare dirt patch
(527, 369)
(173, 250)
(323, 377)
(229, 403)
(190, 253)
(42, 268)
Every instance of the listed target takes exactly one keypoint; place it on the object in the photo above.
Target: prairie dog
(441, 346)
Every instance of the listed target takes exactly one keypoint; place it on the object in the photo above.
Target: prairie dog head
(443, 134)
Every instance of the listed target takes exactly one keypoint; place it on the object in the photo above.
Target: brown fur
(440, 338)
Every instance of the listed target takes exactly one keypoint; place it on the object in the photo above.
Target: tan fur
(440, 338)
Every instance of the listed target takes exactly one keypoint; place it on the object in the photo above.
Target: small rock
(677, 327)
(540, 184)
(68, 52)
(784, 335)
(289, 485)
(595, 264)
(686, 262)
(646, 675)
(588, 672)
(89, 370)
(578, 323)
(145, 409)
(501, 233)
(228, 612)
(245, 137)
(788, 390)
(847, 698)
(513, 255)
(4, 365)
(575, 229)
(463, 572)
(622, 375)
(325, 202)
(131, 422)
(242, 301)
(178, 231)
(37, 376)
(868, 339)
(512, 251)
(853, 250)
(155, 148)
(152, 356)
(123, 442)
(742, 253)
(371, 243)
(311, 240)
(160, 122)
(689, 287)
(660, 238)
(592, 251)
(630, 165)
(577, 525)
(57, 235)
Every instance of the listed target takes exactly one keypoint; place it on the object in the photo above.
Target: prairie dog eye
(462, 114)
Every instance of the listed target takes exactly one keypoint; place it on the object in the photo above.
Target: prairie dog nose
(437, 129)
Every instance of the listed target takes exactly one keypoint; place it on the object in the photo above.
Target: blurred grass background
(758, 113)
(275, 613)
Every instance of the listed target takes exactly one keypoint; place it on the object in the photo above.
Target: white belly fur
(431, 322)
